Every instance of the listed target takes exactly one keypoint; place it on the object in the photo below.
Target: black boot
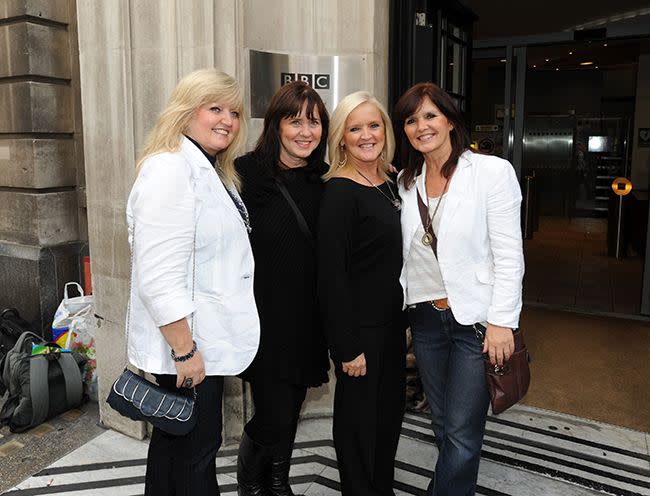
(252, 462)
(278, 482)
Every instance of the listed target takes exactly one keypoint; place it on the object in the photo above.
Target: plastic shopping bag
(73, 328)
(69, 309)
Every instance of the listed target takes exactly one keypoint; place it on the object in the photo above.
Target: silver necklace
(427, 239)
(396, 202)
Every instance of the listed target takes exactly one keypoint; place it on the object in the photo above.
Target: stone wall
(42, 216)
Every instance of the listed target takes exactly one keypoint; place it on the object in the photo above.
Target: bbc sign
(332, 76)
(316, 81)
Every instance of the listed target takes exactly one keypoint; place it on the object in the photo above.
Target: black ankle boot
(278, 482)
(252, 462)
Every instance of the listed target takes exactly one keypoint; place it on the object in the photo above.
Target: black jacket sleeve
(337, 222)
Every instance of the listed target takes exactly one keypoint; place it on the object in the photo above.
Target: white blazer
(479, 240)
(173, 193)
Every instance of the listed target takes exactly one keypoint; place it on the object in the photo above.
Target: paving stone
(41, 430)
(71, 415)
(10, 448)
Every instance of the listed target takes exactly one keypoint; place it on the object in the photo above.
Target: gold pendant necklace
(427, 239)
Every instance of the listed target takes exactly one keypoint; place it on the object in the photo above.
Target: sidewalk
(21, 455)
(527, 451)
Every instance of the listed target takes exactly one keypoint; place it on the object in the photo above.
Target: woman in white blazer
(462, 273)
(192, 318)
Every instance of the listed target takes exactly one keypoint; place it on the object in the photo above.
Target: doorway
(562, 114)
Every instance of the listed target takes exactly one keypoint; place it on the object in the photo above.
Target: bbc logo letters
(316, 81)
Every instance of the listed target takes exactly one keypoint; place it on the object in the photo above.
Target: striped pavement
(527, 451)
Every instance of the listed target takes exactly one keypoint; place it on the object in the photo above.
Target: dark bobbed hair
(288, 102)
(407, 105)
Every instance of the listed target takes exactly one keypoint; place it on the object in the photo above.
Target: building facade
(82, 82)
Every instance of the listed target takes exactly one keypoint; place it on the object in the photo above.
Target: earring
(382, 156)
(343, 160)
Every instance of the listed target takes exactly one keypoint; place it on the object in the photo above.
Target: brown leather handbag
(508, 384)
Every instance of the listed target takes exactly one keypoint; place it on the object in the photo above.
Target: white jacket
(173, 193)
(479, 240)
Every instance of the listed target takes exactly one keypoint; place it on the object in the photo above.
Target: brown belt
(441, 304)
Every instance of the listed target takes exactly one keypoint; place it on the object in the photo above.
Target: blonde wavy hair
(337, 130)
(194, 90)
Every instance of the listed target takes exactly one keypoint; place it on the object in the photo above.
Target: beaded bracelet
(184, 358)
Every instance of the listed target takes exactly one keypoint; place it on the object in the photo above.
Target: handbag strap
(128, 306)
(424, 217)
(302, 223)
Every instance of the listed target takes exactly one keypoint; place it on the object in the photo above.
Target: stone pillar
(132, 53)
(42, 215)
(319, 27)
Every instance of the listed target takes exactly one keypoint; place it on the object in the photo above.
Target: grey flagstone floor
(527, 451)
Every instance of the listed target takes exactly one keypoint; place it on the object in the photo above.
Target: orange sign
(622, 186)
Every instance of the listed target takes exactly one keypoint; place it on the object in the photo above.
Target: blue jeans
(450, 361)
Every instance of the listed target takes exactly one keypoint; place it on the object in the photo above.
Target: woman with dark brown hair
(281, 187)
(462, 273)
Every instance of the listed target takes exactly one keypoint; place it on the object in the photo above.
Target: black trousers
(185, 465)
(277, 408)
(368, 414)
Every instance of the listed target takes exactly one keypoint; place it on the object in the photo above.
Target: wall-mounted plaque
(332, 76)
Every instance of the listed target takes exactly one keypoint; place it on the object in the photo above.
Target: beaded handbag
(135, 397)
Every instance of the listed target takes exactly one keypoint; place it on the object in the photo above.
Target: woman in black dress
(292, 356)
(360, 258)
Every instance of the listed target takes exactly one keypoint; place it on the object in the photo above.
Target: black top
(292, 344)
(360, 260)
(211, 158)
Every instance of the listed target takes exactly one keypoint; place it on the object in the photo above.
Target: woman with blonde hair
(360, 258)
(192, 312)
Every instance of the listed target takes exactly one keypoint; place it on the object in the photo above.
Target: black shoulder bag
(135, 397)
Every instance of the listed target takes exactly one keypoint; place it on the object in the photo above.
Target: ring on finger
(188, 382)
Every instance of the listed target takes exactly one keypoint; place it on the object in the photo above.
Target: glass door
(497, 109)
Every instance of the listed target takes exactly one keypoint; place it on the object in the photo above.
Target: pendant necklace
(427, 239)
(396, 202)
